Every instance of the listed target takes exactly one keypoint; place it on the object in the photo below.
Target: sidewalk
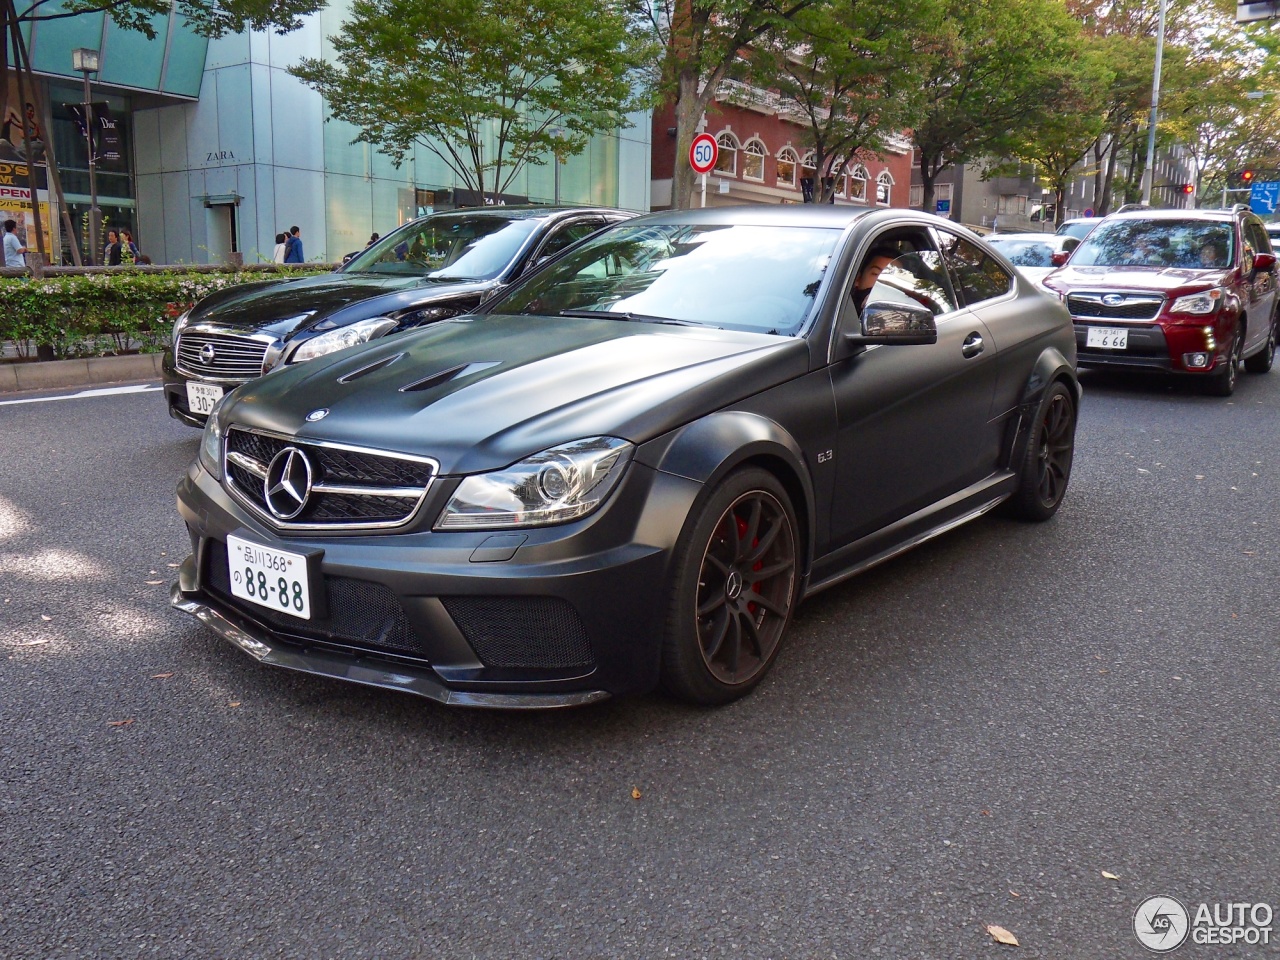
(90, 371)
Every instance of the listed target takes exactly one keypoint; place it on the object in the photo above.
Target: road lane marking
(83, 394)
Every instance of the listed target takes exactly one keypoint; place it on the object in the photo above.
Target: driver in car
(875, 263)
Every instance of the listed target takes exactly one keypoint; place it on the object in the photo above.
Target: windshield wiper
(637, 317)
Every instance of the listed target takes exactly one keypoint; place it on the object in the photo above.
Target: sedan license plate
(202, 397)
(1108, 338)
(271, 578)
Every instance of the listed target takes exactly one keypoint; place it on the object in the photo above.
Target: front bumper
(1154, 346)
(175, 392)
(566, 616)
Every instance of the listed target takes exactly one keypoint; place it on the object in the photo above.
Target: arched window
(787, 162)
(809, 164)
(727, 162)
(753, 160)
(858, 183)
(884, 188)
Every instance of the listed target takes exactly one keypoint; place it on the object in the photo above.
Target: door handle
(972, 346)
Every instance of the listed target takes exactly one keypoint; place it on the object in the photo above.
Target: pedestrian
(372, 240)
(115, 250)
(293, 246)
(112, 239)
(13, 248)
(128, 249)
(277, 255)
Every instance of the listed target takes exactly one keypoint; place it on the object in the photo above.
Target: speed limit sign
(703, 153)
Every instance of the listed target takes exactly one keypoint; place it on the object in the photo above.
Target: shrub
(94, 314)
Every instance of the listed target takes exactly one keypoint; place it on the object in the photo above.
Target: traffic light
(1246, 176)
(1188, 188)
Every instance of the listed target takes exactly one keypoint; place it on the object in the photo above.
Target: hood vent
(444, 376)
(376, 365)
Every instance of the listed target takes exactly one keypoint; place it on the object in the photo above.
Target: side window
(978, 276)
(1258, 238)
(566, 235)
(903, 266)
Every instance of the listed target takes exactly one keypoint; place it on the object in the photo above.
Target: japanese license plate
(201, 397)
(271, 578)
(1108, 338)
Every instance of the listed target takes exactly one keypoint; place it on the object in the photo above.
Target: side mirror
(1263, 261)
(889, 323)
(1059, 258)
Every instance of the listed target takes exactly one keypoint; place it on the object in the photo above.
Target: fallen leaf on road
(234, 703)
(635, 793)
(31, 643)
(45, 617)
(1251, 553)
(1109, 876)
(1199, 476)
(153, 572)
(1001, 935)
(120, 723)
(154, 583)
(1014, 893)
(173, 564)
(161, 676)
(986, 813)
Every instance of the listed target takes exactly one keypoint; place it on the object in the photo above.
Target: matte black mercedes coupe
(635, 464)
(434, 267)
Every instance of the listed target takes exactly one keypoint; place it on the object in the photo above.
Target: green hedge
(83, 315)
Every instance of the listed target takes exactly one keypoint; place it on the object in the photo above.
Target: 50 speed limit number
(703, 153)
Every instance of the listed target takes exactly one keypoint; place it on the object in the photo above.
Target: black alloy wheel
(737, 575)
(1223, 383)
(1046, 467)
(1261, 361)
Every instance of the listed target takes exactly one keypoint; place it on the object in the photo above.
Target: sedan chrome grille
(216, 356)
(346, 488)
(1115, 306)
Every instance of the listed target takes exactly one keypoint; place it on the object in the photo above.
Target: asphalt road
(969, 735)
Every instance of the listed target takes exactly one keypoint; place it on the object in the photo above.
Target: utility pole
(85, 60)
(1149, 174)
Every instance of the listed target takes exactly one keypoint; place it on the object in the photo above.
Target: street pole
(1149, 174)
(85, 60)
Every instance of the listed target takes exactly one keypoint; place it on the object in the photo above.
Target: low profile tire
(734, 583)
(1046, 466)
(1223, 383)
(1261, 361)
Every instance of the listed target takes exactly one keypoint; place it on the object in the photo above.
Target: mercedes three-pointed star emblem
(288, 483)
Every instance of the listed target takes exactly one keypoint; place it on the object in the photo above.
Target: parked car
(1079, 227)
(431, 268)
(1036, 255)
(1273, 233)
(1182, 291)
(631, 468)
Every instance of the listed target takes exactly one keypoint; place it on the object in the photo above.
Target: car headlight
(178, 326)
(563, 483)
(420, 315)
(211, 441)
(1206, 301)
(353, 333)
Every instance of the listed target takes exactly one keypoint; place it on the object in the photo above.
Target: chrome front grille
(350, 488)
(1129, 306)
(216, 356)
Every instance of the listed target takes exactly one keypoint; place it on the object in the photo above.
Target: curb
(15, 377)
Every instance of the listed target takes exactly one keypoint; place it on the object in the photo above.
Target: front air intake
(529, 632)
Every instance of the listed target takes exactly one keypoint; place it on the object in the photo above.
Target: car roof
(520, 212)
(1049, 238)
(1222, 216)
(782, 215)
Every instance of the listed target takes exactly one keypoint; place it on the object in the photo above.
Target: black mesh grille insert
(1144, 308)
(522, 631)
(361, 613)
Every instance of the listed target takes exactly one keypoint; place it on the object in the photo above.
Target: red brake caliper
(759, 564)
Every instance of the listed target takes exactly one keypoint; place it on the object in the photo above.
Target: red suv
(1185, 291)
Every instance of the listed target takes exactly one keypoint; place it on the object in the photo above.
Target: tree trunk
(1059, 203)
(689, 111)
(928, 174)
(1103, 206)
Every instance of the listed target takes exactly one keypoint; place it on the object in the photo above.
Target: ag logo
(1161, 924)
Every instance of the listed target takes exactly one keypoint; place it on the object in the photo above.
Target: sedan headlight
(563, 483)
(211, 441)
(353, 333)
(1206, 301)
(178, 326)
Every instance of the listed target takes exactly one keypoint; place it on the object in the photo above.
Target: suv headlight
(353, 333)
(1206, 301)
(563, 483)
(178, 326)
(211, 441)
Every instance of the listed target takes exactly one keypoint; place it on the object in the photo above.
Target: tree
(213, 18)
(850, 70)
(486, 85)
(702, 39)
(986, 79)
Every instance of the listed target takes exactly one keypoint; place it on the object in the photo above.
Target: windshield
(1185, 244)
(454, 246)
(762, 279)
(1024, 253)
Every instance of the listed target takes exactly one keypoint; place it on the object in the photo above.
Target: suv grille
(1134, 306)
(351, 488)
(233, 358)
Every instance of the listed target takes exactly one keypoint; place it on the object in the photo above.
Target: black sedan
(635, 464)
(435, 267)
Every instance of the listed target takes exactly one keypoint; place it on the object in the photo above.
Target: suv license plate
(202, 397)
(271, 578)
(1107, 338)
